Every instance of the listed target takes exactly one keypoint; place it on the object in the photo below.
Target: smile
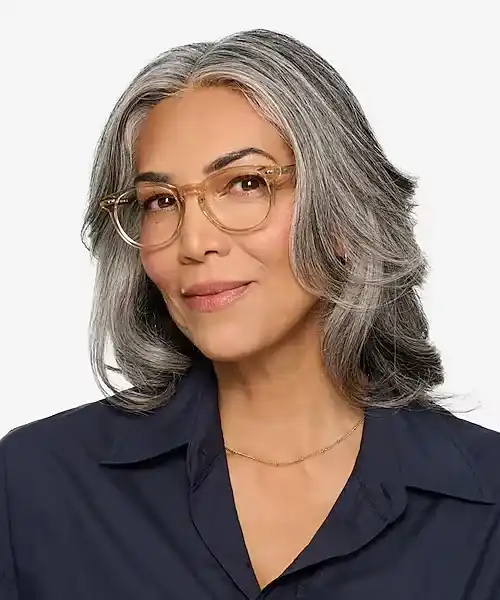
(216, 301)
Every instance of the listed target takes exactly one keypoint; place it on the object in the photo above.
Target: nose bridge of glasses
(196, 189)
(199, 191)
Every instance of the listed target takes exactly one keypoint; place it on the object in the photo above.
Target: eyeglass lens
(237, 199)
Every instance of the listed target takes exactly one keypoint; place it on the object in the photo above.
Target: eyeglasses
(234, 199)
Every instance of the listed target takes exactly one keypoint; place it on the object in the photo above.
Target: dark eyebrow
(218, 163)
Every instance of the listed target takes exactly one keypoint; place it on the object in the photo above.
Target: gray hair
(375, 335)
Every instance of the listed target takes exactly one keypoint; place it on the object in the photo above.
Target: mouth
(214, 297)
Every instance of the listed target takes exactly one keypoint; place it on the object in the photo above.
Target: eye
(245, 184)
(165, 201)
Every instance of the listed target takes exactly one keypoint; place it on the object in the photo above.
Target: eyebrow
(215, 165)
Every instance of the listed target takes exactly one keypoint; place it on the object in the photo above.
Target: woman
(257, 277)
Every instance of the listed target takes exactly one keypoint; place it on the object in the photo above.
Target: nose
(199, 237)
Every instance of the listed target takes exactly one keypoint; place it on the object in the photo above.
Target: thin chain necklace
(302, 458)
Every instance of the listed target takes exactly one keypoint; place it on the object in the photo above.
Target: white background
(426, 74)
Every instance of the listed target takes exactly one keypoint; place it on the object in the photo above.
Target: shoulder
(81, 438)
(84, 428)
(482, 443)
(466, 442)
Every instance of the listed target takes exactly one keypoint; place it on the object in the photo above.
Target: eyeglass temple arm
(112, 200)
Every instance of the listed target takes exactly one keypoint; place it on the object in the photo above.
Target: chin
(228, 344)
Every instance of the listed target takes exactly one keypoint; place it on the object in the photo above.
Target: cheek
(270, 246)
(161, 269)
(280, 303)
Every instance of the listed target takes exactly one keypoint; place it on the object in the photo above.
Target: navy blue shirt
(99, 504)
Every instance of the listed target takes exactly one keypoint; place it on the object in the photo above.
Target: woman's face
(181, 136)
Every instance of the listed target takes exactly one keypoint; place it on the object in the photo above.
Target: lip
(214, 295)
(212, 287)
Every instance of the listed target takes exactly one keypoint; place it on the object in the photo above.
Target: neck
(282, 402)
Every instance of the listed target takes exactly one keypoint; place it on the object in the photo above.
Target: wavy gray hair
(375, 339)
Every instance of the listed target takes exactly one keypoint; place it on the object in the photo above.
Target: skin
(265, 347)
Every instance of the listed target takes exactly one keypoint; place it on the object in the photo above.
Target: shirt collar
(400, 448)
(138, 437)
(433, 455)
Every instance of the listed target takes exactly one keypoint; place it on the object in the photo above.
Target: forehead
(186, 132)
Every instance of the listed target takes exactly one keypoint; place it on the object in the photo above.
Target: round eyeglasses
(234, 199)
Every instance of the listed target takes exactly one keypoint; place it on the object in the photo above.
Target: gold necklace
(302, 458)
